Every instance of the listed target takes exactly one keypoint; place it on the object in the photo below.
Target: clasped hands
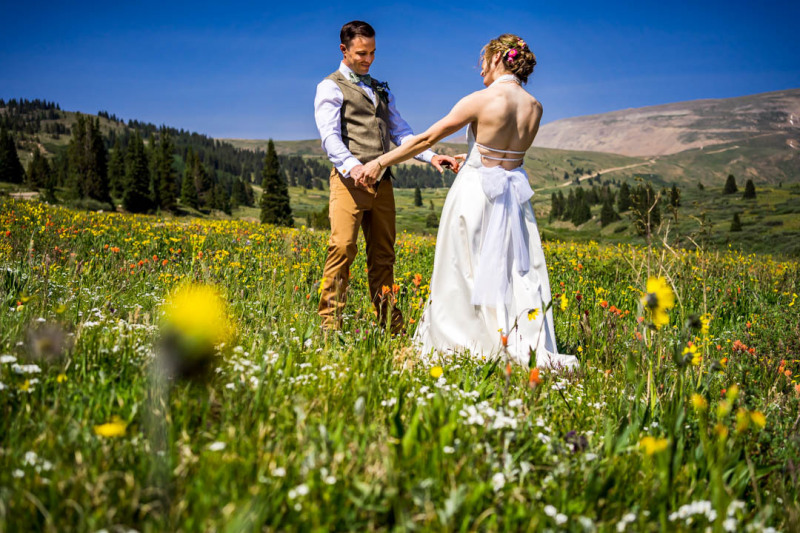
(365, 176)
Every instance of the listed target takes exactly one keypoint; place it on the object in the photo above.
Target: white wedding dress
(489, 272)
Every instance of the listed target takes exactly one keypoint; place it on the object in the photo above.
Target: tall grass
(689, 426)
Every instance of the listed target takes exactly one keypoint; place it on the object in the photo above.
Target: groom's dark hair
(356, 28)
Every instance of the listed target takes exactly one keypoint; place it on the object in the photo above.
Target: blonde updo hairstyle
(517, 57)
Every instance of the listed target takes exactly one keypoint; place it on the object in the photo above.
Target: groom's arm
(327, 114)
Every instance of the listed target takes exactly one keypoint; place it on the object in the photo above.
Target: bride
(489, 288)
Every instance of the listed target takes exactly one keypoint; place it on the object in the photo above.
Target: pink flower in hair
(512, 54)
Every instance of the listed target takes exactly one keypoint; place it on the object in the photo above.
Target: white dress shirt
(327, 113)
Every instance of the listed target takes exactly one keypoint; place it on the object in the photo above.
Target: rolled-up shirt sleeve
(401, 132)
(327, 114)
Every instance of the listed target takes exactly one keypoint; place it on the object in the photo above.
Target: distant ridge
(672, 128)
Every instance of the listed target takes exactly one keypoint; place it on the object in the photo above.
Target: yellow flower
(721, 430)
(533, 313)
(699, 402)
(657, 300)
(742, 420)
(25, 387)
(437, 372)
(733, 392)
(564, 302)
(651, 445)
(115, 428)
(199, 313)
(705, 320)
(758, 419)
(724, 408)
(61, 378)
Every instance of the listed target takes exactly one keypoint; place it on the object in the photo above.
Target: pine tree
(97, 179)
(569, 206)
(275, 208)
(645, 209)
(730, 185)
(165, 173)
(749, 190)
(116, 170)
(555, 207)
(136, 196)
(417, 197)
(188, 189)
(39, 171)
(582, 211)
(736, 224)
(11, 170)
(624, 198)
(239, 194)
(607, 213)
(88, 169)
(675, 196)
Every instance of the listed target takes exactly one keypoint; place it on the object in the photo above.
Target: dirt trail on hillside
(24, 195)
(607, 170)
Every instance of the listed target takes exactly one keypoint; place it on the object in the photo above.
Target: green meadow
(689, 426)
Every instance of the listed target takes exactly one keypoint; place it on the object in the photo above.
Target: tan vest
(365, 127)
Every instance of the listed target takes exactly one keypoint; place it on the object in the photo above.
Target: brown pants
(352, 207)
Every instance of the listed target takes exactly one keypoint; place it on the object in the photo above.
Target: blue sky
(249, 70)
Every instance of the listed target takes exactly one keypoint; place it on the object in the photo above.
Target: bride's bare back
(507, 121)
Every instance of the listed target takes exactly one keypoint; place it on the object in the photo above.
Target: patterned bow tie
(366, 78)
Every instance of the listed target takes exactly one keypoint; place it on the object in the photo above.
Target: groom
(357, 120)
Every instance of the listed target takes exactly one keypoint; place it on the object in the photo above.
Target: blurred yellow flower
(198, 312)
(115, 428)
(652, 445)
(61, 378)
(742, 420)
(437, 372)
(533, 313)
(657, 300)
(699, 402)
(758, 419)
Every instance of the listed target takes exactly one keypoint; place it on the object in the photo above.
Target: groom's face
(359, 54)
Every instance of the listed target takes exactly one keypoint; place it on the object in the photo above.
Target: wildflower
(705, 320)
(604, 304)
(721, 430)
(533, 313)
(504, 340)
(115, 428)
(417, 280)
(436, 372)
(195, 321)
(533, 378)
(652, 445)
(742, 420)
(658, 299)
(197, 311)
(699, 402)
(61, 378)
(498, 481)
(216, 446)
(563, 303)
(758, 419)
(691, 351)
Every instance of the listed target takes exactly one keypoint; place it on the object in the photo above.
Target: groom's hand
(357, 173)
(440, 162)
